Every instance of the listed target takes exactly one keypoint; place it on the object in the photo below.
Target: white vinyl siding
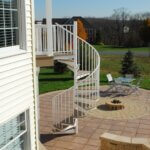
(16, 82)
(29, 24)
(16, 78)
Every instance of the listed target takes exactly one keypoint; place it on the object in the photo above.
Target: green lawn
(112, 48)
(112, 64)
(50, 81)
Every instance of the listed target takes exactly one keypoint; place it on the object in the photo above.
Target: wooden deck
(44, 61)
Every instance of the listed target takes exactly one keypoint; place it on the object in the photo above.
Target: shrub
(59, 67)
(129, 66)
(101, 44)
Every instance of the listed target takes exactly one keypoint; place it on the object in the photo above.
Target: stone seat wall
(116, 142)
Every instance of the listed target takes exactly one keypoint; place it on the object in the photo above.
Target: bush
(128, 65)
(101, 44)
(59, 67)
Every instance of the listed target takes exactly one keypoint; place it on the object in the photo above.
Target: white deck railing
(41, 46)
(62, 39)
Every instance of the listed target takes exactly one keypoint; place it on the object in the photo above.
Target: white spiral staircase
(84, 60)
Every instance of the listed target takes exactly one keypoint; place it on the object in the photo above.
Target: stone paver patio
(95, 124)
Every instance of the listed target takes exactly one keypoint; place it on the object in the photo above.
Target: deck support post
(48, 4)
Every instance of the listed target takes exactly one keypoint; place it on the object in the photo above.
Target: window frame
(25, 132)
(15, 50)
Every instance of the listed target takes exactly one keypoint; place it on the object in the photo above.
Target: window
(9, 30)
(13, 133)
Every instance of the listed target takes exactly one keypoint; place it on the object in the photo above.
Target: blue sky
(92, 8)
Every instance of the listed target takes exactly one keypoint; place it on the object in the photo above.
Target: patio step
(68, 128)
(86, 83)
(63, 57)
(82, 74)
(86, 92)
(68, 62)
(80, 109)
(70, 65)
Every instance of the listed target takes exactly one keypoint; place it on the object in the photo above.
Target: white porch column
(48, 4)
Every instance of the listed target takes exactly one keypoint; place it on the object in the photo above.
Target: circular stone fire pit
(115, 105)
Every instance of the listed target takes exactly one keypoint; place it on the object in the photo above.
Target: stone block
(116, 142)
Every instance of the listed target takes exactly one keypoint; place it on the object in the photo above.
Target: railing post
(75, 44)
(49, 27)
(39, 39)
(75, 52)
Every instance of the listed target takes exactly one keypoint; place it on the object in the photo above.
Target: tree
(98, 37)
(128, 65)
(145, 32)
(81, 30)
(120, 16)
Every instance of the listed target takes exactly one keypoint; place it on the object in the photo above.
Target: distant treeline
(111, 30)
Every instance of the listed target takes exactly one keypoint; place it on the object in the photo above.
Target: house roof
(60, 20)
(56, 20)
(85, 22)
(69, 21)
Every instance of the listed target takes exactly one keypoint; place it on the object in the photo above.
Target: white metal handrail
(63, 110)
(85, 92)
(88, 88)
(83, 96)
(62, 39)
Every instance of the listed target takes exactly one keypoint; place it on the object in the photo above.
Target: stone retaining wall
(116, 142)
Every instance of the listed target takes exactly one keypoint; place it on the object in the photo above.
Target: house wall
(17, 81)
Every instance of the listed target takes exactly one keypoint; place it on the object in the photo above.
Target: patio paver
(91, 127)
